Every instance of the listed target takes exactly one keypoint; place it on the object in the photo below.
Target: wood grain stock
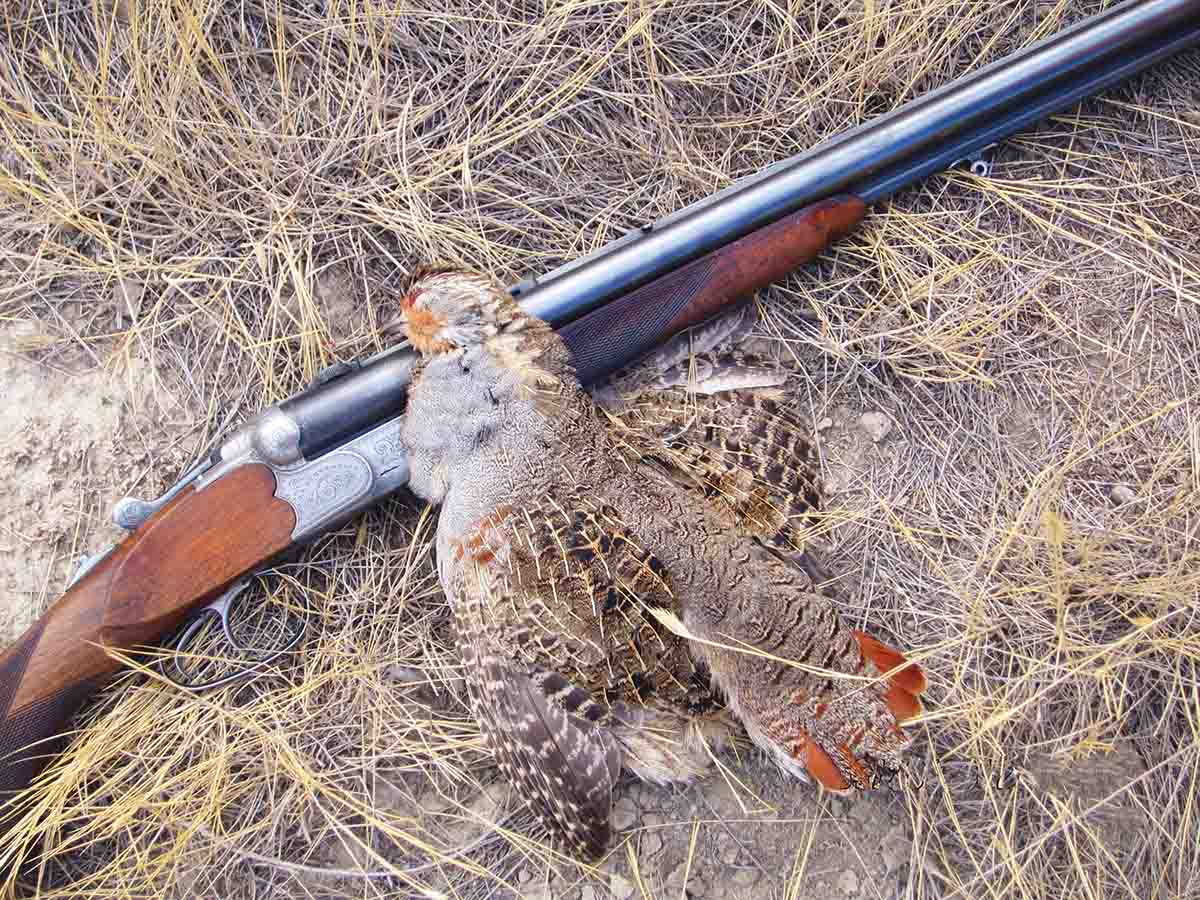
(181, 557)
(619, 332)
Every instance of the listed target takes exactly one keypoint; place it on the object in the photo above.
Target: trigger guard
(248, 668)
(189, 630)
(223, 607)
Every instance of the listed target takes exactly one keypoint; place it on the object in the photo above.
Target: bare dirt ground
(203, 204)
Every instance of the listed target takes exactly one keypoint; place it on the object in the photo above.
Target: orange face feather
(423, 327)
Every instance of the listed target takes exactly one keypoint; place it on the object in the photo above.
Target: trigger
(224, 603)
(225, 600)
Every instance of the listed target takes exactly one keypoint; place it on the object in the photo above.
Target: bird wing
(740, 446)
(550, 603)
(544, 733)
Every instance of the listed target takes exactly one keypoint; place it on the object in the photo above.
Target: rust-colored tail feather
(821, 766)
(903, 705)
(910, 679)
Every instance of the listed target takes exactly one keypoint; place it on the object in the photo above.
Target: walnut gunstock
(177, 560)
(624, 329)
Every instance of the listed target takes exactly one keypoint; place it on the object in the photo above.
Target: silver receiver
(335, 486)
(321, 491)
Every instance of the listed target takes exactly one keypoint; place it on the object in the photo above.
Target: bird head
(447, 310)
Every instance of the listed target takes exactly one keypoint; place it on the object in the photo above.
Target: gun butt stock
(145, 587)
(619, 332)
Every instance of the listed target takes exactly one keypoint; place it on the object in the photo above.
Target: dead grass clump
(223, 198)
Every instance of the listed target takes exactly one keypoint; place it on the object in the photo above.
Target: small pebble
(876, 424)
(825, 424)
(1122, 494)
(651, 842)
(624, 814)
(620, 887)
(847, 882)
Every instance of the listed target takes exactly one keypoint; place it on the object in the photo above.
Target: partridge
(609, 614)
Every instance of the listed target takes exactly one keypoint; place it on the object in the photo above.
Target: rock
(621, 887)
(825, 424)
(1122, 494)
(847, 882)
(651, 842)
(877, 425)
(624, 814)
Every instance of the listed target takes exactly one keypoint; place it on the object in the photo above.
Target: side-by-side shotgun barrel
(867, 163)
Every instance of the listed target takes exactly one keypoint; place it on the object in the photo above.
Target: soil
(76, 438)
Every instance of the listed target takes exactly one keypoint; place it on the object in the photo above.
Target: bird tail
(838, 760)
(906, 681)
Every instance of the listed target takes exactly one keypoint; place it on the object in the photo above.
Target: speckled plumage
(564, 555)
(741, 448)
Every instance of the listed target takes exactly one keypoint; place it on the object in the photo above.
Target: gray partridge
(572, 567)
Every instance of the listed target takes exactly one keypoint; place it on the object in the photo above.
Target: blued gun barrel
(884, 154)
(869, 163)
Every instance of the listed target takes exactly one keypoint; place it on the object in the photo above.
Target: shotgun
(311, 463)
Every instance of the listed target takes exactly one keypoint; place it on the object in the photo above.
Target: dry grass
(226, 195)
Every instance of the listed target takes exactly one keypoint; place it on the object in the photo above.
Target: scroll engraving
(323, 488)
